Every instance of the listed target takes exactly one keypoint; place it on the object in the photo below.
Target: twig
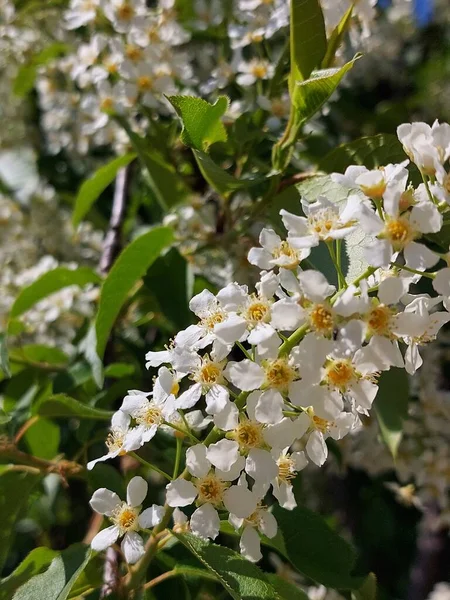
(297, 178)
(113, 242)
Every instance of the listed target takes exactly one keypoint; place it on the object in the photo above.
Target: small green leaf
(51, 282)
(43, 438)
(316, 550)
(57, 581)
(172, 293)
(95, 185)
(127, 270)
(219, 179)
(26, 76)
(91, 577)
(119, 370)
(201, 121)
(4, 360)
(310, 95)
(286, 590)
(62, 406)
(242, 579)
(15, 489)
(39, 353)
(370, 151)
(308, 39)
(36, 561)
(336, 37)
(368, 590)
(391, 406)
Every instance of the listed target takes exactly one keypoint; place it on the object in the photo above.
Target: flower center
(258, 311)
(320, 424)
(259, 70)
(379, 320)
(106, 104)
(114, 441)
(340, 373)
(213, 319)
(211, 489)
(286, 470)
(150, 415)
(321, 318)
(210, 373)
(323, 221)
(175, 388)
(249, 435)
(145, 83)
(279, 374)
(125, 12)
(134, 53)
(399, 232)
(126, 518)
(288, 255)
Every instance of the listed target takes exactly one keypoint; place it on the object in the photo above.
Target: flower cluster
(279, 370)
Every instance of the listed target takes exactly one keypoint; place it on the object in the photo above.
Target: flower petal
(104, 501)
(205, 522)
(180, 493)
(132, 547)
(105, 538)
(136, 491)
(151, 516)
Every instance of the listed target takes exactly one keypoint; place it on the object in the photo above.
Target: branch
(112, 243)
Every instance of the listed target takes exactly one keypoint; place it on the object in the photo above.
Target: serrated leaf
(4, 359)
(370, 151)
(308, 39)
(36, 561)
(322, 554)
(49, 283)
(336, 37)
(286, 590)
(310, 95)
(130, 266)
(43, 438)
(201, 120)
(15, 488)
(57, 581)
(91, 189)
(242, 579)
(391, 406)
(62, 406)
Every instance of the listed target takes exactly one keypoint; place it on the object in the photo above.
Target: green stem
(293, 340)
(244, 350)
(427, 187)
(337, 263)
(149, 465)
(421, 273)
(176, 467)
(183, 431)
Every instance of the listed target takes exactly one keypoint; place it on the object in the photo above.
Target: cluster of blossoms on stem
(275, 372)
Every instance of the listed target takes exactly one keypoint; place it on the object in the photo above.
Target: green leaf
(242, 579)
(4, 361)
(370, 151)
(316, 550)
(286, 589)
(172, 293)
(164, 181)
(442, 238)
(108, 477)
(310, 95)
(26, 76)
(308, 39)
(336, 38)
(15, 489)
(119, 370)
(201, 121)
(43, 439)
(36, 561)
(51, 282)
(57, 581)
(368, 590)
(127, 270)
(219, 179)
(39, 353)
(91, 577)
(95, 185)
(391, 406)
(62, 406)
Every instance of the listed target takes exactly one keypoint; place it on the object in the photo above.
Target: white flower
(80, 13)
(127, 519)
(253, 71)
(428, 147)
(288, 467)
(115, 442)
(209, 484)
(324, 221)
(275, 252)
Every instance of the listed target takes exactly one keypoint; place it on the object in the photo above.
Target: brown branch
(113, 242)
(297, 178)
